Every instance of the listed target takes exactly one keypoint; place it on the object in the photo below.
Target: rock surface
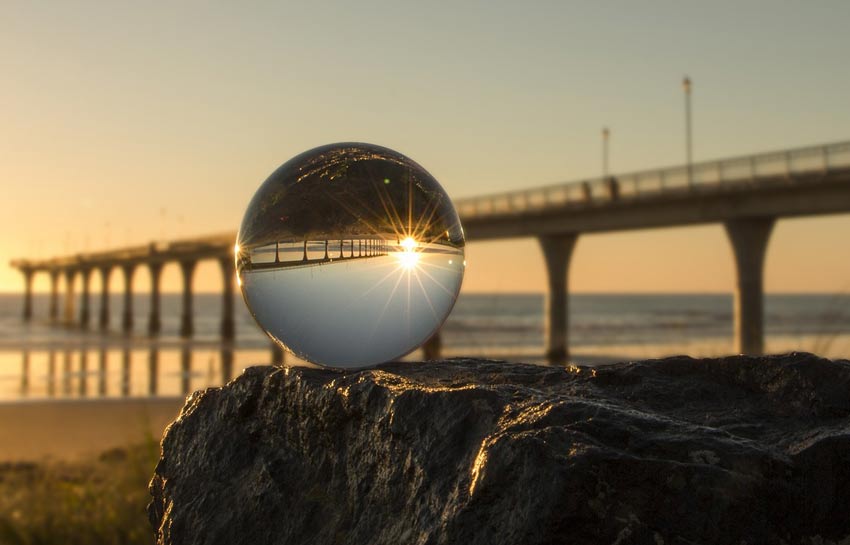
(672, 451)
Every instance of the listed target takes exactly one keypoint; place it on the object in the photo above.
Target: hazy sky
(121, 123)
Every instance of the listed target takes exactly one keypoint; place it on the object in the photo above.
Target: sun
(407, 255)
(408, 244)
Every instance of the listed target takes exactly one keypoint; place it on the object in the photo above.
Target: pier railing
(778, 167)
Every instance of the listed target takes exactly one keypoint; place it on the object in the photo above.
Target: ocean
(41, 360)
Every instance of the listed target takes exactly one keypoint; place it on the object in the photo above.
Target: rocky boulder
(672, 451)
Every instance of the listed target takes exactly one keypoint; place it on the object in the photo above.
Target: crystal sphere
(350, 255)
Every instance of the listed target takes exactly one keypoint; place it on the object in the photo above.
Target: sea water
(603, 328)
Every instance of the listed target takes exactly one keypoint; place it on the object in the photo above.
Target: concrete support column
(54, 295)
(103, 322)
(228, 272)
(85, 313)
(127, 318)
(68, 310)
(433, 347)
(749, 238)
(187, 326)
(154, 321)
(277, 354)
(557, 251)
(28, 274)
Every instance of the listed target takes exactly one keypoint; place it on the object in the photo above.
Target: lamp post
(605, 136)
(686, 86)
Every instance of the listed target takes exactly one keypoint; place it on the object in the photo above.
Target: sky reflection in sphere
(350, 255)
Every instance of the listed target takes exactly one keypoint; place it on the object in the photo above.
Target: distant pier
(154, 256)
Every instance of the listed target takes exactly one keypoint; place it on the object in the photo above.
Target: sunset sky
(123, 123)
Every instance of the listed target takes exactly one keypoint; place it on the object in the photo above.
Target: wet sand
(76, 429)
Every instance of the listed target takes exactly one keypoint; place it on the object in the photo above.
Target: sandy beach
(77, 429)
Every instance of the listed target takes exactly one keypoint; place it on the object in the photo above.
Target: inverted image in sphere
(350, 255)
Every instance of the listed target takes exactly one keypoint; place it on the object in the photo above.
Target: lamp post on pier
(686, 86)
(606, 134)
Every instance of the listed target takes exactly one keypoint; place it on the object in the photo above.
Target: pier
(348, 250)
(154, 256)
(747, 194)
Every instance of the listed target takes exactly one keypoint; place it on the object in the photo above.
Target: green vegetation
(92, 503)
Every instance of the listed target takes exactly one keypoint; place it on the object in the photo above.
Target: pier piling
(228, 272)
(187, 325)
(28, 274)
(103, 321)
(54, 295)
(127, 318)
(154, 320)
(85, 275)
(432, 348)
(277, 354)
(749, 238)
(557, 251)
(68, 309)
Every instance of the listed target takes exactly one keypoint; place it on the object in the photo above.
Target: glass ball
(350, 255)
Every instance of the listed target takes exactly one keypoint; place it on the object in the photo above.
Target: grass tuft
(93, 503)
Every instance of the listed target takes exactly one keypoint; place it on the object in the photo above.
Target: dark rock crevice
(677, 450)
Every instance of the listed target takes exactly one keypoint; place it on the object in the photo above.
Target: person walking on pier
(613, 188)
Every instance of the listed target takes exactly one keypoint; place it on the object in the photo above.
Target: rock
(673, 451)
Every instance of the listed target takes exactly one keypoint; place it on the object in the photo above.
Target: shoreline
(38, 430)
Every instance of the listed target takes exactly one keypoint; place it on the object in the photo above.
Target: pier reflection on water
(125, 370)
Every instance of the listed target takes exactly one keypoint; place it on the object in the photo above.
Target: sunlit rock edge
(677, 450)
